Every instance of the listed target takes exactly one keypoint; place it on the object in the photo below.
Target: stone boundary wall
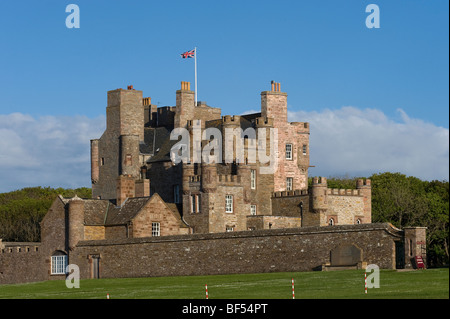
(260, 251)
(21, 262)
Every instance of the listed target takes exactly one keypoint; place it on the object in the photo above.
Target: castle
(132, 159)
(152, 216)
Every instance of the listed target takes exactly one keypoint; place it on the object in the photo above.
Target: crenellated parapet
(263, 122)
(229, 180)
(19, 247)
(231, 120)
(297, 192)
(300, 127)
(343, 192)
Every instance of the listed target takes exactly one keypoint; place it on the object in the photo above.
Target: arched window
(331, 221)
(358, 221)
(59, 263)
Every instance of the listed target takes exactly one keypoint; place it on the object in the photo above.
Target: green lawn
(345, 284)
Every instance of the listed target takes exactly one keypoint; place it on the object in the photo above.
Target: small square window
(59, 264)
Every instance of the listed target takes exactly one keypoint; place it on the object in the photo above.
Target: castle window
(102, 161)
(304, 149)
(128, 160)
(288, 151)
(58, 263)
(358, 221)
(156, 229)
(176, 194)
(331, 221)
(289, 183)
(195, 205)
(229, 228)
(253, 179)
(253, 210)
(228, 203)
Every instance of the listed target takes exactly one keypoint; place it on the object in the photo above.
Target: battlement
(300, 127)
(195, 178)
(319, 181)
(297, 192)
(263, 121)
(360, 183)
(231, 119)
(19, 247)
(195, 124)
(229, 179)
(201, 104)
(343, 192)
(164, 109)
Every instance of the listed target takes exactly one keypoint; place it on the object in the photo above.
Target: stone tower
(293, 141)
(117, 151)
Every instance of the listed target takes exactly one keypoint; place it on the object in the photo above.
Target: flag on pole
(192, 54)
(188, 54)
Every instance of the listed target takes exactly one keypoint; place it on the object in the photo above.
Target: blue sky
(321, 52)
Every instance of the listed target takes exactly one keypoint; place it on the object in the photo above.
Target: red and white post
(206, 288)
(365, 282)
(293, 292)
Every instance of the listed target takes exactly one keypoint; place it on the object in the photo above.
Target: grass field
(345, 284)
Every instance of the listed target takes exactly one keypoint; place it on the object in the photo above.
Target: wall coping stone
(389, 228)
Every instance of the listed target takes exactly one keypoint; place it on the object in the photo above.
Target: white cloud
(54, 151)
(355, 142)
(46, 151)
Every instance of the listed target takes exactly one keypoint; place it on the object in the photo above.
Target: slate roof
(102, 212)
(153, 139)
(163, 143)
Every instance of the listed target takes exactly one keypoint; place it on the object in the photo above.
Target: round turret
(319, 194)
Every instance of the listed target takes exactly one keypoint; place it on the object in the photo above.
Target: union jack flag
(188, 54)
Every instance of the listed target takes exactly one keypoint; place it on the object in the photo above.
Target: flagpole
(195, 56)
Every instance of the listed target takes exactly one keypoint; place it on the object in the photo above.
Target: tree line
(409, 201)
(396, 198)
(22, 210)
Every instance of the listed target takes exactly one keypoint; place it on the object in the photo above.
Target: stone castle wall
(275, 250)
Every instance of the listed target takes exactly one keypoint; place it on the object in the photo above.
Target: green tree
(409, 201)
(21, 211)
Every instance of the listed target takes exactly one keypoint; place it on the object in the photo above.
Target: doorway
(399, 255)
(95, 266)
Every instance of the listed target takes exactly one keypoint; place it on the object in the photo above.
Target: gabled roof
(101, 212)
